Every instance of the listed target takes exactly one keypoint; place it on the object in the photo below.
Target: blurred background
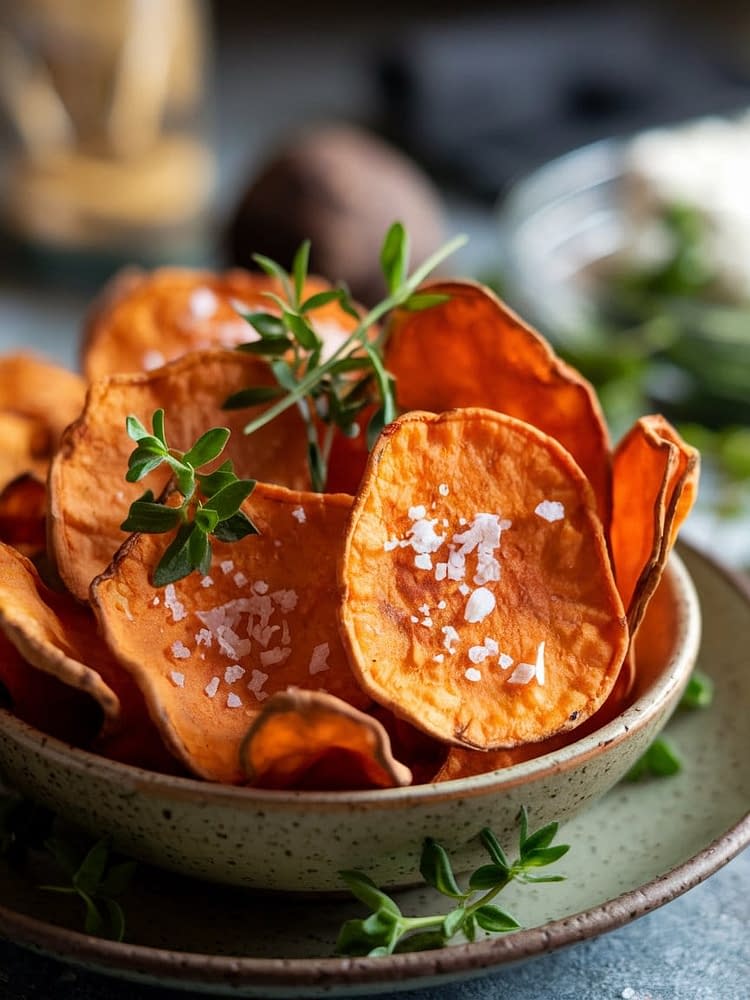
(196, 132)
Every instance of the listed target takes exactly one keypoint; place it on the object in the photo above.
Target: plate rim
(309, 976)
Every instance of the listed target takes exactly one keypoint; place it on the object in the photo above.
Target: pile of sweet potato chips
(469, 601)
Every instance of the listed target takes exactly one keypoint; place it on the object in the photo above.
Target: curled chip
(88, 495)
(143, 320)
(52, 632)
(478, 600)
(56, 635)
(473, 351)
(42, 391)
(647, 654)
(26, 446)
(209, 650)
(309, 739)
(23, 508)
(655, 483)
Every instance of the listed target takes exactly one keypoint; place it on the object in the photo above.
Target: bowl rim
(628, 723)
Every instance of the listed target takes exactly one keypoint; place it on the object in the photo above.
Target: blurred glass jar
(108, 104)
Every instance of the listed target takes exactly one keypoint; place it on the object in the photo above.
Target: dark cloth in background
(482, 100)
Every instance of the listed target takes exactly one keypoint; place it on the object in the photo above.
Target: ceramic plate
(667, 835)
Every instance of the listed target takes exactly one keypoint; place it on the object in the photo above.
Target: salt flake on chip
(550, 510)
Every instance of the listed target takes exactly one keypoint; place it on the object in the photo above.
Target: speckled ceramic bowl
(299, 841)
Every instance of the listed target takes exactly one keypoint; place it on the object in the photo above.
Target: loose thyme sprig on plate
(210, 501)
(90, 870)
(387, 929)
(331, 393)
(96, 879)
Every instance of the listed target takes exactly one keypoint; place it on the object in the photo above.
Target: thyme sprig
(210, 504)
(387, 930)
(97, 879)
(89, 870)
(331, 392)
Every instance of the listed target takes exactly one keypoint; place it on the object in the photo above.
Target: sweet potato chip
(57, 636)
(309, 739)
(649, 652)
(43, 391)
(51, 631)
(88, 496)
(26, 446)
(23, 507)
(208, 651)
(473, 351)
(143, 320)
(478, 599)
(655, 483)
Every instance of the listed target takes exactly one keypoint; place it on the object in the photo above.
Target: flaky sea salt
(255, 684)
(450, 638)
(319, 658)
(152, 359)
(233, 673)
(177, 678)
(233, 700)
(480, 604)
(173, 604)
(270, 657)
(179, 650)
(523, 673)
(472, 674)
(550, 510)
(212, 687)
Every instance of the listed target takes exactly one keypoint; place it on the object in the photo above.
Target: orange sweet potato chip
(25, 446)
(473, 351)
(143, 320)
(655, 484)
(649, 651)
(208, 651)
(43, 391)
(309, 739)
(88, 495)
(56, 636)
(53, 632)
(478, 600)
(23, 507)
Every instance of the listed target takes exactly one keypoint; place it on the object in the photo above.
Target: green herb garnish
(332, 393)
(96, 879)
(699, 692)
(210, 504)
(92, 873)
(387, 930)
(661, 760)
